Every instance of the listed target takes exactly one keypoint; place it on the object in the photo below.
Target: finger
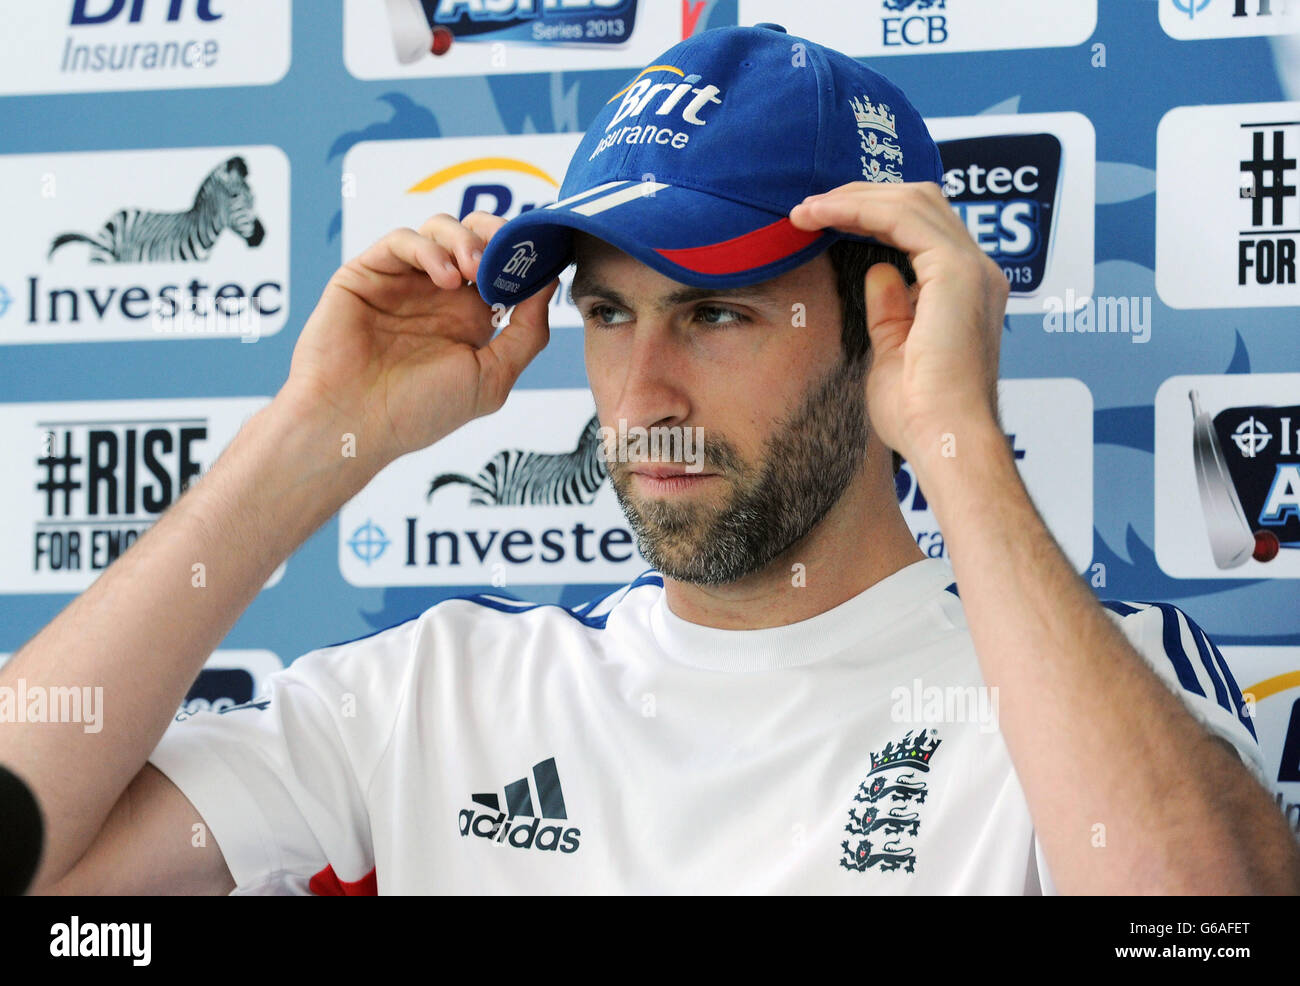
(484, 224)
(912, 219)
(403, 250)
(459, 239)
(503, 359)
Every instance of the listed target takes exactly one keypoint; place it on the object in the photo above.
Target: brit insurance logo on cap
(393, 183)
(908, 27)
(384, 39)
(693, 166)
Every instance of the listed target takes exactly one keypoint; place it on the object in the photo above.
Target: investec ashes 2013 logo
(519, 824)
(430, 27)
(1247, 463)
(1005, 189)
(1270, 212)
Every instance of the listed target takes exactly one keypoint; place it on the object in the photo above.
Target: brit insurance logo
(1236, 444)
(388, 38)
(1269, 680)
(106, 45)
(882, 831)
(654, 110)
(1025, 187)
(162, 245)
(895, 27)
(1227, 211)
(519, 497)
(1048, 427)
(520, 824)
(396, 183)
(1194, 19)
(85, 480)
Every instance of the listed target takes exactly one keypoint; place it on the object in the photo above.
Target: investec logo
(676, 103)
(146, 245)
(520, 825)
(1228, 18)
(521, 497)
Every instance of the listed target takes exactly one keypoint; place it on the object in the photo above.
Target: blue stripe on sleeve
(1173, 640)
(1220, 693)
(1233, 689)
(1115, 606)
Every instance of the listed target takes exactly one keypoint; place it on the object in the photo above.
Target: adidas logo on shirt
(518, 826)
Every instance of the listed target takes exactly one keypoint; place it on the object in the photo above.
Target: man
(730, 723)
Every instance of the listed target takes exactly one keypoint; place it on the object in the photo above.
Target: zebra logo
(514, 477)
(224, 200)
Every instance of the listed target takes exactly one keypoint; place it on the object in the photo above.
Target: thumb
(889, 309)
(513, 348)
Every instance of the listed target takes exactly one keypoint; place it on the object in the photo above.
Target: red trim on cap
(757, 248)
(327, 884)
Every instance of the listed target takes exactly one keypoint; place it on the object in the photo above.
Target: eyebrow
(586, 286)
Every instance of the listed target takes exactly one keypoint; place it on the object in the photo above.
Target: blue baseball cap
(693, 166)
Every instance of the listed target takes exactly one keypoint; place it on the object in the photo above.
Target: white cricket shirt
(493, 746)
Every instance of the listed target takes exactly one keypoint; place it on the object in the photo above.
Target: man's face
(759, 370)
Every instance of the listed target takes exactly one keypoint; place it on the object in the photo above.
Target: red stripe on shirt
(326, 883)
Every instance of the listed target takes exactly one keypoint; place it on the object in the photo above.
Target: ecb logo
(918, 28)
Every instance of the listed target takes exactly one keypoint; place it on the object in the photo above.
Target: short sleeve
(1183, 655)
(1185, 658)
(281, 781)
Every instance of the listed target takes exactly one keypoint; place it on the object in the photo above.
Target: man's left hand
(934, 347)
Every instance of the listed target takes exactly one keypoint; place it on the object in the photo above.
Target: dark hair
(851, 259)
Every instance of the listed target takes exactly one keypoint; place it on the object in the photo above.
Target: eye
(595, 311)
(735, 316)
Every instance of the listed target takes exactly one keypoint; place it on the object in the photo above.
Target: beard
(806, 466)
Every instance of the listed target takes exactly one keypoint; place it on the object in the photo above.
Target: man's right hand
(400, 352)
(400, 347)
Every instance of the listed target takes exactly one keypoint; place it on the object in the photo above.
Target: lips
(669, 472)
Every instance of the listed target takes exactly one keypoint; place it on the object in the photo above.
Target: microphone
(22, 834)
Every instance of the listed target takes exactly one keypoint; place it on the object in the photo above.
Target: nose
(645, 372)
